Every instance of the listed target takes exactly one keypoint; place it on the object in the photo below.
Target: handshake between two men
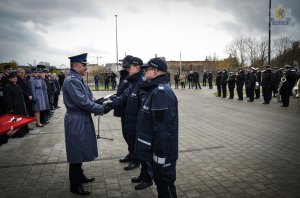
(107, 102)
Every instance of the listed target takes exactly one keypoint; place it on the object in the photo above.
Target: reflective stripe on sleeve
(159, 160)
(143, 141)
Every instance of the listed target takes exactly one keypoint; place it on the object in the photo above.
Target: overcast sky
(53, 30)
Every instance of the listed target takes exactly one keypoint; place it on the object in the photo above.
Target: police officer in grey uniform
(80, 136)
(157, 127)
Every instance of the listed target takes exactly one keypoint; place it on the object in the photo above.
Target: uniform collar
(162, 79)
(135, 77)
(75, 74)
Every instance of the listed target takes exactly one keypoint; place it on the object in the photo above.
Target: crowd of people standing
(29, 93)
(273, 82)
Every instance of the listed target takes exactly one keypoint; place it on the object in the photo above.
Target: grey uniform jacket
(80, 136)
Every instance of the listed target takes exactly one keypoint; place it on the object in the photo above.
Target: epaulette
(161, 87)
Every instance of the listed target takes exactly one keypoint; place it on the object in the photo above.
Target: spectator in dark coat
(23, 83)
(14, 101)
(61, 78)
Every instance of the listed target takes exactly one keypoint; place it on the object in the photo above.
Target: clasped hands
(107, 102)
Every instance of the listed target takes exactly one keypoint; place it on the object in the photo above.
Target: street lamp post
(117, 43)
(269, 47)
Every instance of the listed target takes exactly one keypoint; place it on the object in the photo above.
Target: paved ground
(228, 148)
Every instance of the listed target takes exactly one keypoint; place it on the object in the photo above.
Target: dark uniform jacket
(219, 79)
(231, 81)
(157, 127)
(123, 85)
(252, 80)
(224, 78)
(240, 79)
(14, 100)
(80, 136)
(130, 98)
(266, 81)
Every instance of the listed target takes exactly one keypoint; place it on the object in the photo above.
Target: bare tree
(280, 44)
(251, 49)
(262, 50)
(237, 49)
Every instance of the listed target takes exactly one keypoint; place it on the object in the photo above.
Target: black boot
(79, 190)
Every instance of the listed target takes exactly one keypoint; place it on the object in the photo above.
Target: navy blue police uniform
(130, 99)
(266, 83)
(120, 111)
(240, 80)
(157, 137)
(219, 82)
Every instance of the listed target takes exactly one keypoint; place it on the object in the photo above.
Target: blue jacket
(131, 100)
(157, 127)
(38, 95)
(80, 136)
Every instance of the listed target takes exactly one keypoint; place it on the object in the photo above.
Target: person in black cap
(224, 82)
(80, 136)
(14, 101)
(157, 126)
(240, 80)
(131, 99)
(251, 84)
(266, 84)
(286, 87)
(275, 79)
(257, 84)
(231, 84)
(219, 82)
(120, 111)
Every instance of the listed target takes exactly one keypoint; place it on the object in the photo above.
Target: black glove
(100, 101)
(107, 109)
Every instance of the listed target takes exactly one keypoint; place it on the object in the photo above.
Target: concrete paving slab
(228, 148)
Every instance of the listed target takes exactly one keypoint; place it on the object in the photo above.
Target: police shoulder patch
(161, 87)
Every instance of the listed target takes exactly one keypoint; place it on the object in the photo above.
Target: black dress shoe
(131, 166)
(80, 191)
(87, 180)
(125, 159)
(136, 179)
(39, 125)
(30, 129)
(143, 185)
(265, 103)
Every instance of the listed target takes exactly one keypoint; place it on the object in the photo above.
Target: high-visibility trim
(159, 160)
(143, 141)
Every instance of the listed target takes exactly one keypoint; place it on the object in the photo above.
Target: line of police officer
(149, 123)
(280, 82)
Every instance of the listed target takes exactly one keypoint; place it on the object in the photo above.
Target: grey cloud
(253, 15)
(18, 39)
